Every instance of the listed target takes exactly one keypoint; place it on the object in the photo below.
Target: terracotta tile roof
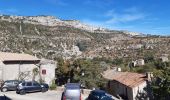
(127, 78)
(108, 74)
(5, 56)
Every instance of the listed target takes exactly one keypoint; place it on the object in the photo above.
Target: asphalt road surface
(49, 95)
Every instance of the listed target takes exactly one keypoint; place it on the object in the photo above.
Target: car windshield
(72, 86)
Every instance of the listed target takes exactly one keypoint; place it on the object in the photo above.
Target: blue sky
(146, 16)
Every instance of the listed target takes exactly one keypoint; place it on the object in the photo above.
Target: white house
(164, 59)
(17, 66)
(139, 62)
(127, 85)
(20, 66)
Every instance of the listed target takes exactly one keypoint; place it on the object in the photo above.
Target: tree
(148, 57)
(23, 75)
(82, 46)
(62, 71)
(35, 73)
(118, 61)
(84, 71)
(161, 85)
(92, 77)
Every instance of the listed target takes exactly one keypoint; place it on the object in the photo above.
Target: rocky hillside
(50, 37)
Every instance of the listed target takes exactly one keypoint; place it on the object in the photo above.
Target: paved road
(49, 95)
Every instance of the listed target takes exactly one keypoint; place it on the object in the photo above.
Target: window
(15, 82)
(43, 71)
(35, 84)
(29, 84)
(23, 84)
(8, 82)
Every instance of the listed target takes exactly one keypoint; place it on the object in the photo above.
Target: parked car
(99, 95)
(46, 87)
(9, 85)
(72, 92)
(31, 86)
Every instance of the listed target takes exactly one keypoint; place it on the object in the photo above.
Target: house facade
(17, 66)
(47, 70)
(126, 85)
(164, 59)
(14, 66)
(139, 62)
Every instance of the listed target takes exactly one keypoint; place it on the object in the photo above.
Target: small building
(139, 62)
(126, 85)
(164, 59)
(15, 66)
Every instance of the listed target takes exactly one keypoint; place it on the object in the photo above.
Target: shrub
(53, 85)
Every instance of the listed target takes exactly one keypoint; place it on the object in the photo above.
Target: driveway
(49, 95)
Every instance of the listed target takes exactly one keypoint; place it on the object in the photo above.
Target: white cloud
(123, 20)
(128, 15)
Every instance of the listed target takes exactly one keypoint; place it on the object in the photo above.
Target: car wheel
(17, 92)
(4, 89)
(43, 90)
(22, 92)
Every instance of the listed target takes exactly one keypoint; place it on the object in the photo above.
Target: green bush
(53, 85)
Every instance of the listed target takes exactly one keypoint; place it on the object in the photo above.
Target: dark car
(31, 86)
(9, 85)
(99, 95)
(72, 92)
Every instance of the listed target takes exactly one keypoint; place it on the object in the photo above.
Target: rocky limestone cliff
(43, 36)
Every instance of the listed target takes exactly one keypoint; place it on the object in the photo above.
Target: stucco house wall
(125, 84)
(140, 62)
(20, 66)
(49, 67)
(50, 72)
(117, 88)
(14, 71)
(138, 89)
